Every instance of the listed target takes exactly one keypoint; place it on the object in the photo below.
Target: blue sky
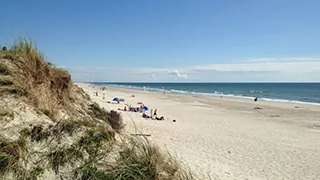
(172, 40)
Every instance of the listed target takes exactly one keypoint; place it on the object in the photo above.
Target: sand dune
(227, 138)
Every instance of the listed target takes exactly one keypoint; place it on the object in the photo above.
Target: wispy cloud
(259, 69)
(177, 74)
(288, 59)
(269, 66)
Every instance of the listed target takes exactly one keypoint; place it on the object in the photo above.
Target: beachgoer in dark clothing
(155, 112)
(144, 115)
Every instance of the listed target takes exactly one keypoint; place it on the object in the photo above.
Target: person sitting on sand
(144, 115)
(125, 108)
(161, 118)
(155, 113)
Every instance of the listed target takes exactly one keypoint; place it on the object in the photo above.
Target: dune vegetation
(50, 129)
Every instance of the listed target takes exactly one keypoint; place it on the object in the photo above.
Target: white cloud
(260, 69)
(176, 73)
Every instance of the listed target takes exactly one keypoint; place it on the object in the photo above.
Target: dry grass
(3, 68)
(6, 114)
(97, 112)
(40, 133)
(113, 118)
(10, 154)
(24, 69)
(25, 72)
(6, 81)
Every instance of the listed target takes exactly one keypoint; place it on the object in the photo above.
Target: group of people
(134, 109)
(140, 109)
(153, 115)
(144, 115)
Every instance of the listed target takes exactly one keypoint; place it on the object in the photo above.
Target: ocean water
(308, 93)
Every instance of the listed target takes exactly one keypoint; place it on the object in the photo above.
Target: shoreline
(226, 138)
(210, 95)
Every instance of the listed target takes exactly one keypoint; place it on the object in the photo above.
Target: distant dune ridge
(50, 129)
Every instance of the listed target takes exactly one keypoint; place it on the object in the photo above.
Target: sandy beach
(226, 138)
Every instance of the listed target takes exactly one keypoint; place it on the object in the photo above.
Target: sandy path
(227, 138)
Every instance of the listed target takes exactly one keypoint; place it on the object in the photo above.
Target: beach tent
(115, 99)
(146, 108)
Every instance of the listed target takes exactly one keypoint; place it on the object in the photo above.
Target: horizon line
(197, 82)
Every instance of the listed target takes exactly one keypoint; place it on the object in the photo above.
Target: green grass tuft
(10, 154)
(39, 133)
(93, 140)
(92, 173)
(68, 126)
(137, 160)
(61, 157)
(141, 160)
(33, 174)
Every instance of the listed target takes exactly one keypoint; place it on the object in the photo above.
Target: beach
(226, 138)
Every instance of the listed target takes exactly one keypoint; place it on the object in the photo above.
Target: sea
(304, 93)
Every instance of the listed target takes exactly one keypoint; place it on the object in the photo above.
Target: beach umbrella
(146, 108)
(115, 99)
(139, 103)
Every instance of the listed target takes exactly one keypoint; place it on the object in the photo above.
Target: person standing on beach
(155, 113)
